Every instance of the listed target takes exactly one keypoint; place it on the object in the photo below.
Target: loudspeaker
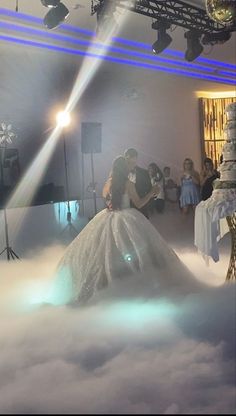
(11, 166)
(4, 195)
(91, 137)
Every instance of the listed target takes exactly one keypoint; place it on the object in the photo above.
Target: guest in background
(189, 187)
(171, 188)
(158, 202)
(207, 177)
(139, 176)
(166, 175)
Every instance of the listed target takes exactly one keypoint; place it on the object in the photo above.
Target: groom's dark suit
(143, 186)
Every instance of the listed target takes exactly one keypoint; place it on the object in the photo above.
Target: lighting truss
(177, 12)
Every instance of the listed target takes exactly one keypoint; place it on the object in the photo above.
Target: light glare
(63, 119)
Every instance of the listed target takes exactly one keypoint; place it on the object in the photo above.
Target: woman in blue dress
(189, 187)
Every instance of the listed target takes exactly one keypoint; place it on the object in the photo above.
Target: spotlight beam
(121, 61)
(96, 45)
(128, 42)
(26, 188)
(25, 191)
(89, 68)
(29, 184)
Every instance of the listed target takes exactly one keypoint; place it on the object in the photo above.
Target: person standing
(189, 187)
(139, 176)
(171, 189)
(156, 176)
(207, 177)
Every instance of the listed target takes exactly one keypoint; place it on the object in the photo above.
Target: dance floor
(132, 350)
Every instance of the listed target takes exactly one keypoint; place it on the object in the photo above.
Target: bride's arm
(137, 201)
(106, 188)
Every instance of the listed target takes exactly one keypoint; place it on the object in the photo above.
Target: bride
(118, 242)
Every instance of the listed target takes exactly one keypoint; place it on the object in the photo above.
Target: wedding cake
(210, 215)
(227, 168)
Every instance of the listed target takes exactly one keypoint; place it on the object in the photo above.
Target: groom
(139, 176)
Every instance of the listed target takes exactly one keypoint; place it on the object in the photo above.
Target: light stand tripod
(69, 225)
(93, 185)
(10, 252)
(91, 138)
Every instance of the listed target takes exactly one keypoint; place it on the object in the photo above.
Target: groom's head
(131, 156)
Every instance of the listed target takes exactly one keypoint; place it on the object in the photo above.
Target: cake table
(217, 215)
(213, 219)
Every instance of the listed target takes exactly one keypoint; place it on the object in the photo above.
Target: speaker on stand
(8, 157)
(91, 142)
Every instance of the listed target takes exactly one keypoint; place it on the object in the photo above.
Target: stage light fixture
(214, 38)
(50, 3)
(55, 16)
(63, 118)
(163, 38)
(194, 46)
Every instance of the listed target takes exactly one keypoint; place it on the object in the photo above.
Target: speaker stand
(10, 252)
(69, 225)
(82, 193)
(72, 230)
(93, 184)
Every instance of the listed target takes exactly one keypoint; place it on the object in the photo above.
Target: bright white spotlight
(63, 119)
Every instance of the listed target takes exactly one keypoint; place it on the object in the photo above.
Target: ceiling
(135, 27)
(79, 10)
(36, 75)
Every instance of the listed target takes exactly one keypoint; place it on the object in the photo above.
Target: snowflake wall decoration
(6, 133)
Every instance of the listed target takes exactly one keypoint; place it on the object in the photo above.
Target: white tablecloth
(210, 223)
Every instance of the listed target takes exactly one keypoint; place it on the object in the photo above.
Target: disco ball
(222, 11)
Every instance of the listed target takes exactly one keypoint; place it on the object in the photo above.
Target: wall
(154, 112)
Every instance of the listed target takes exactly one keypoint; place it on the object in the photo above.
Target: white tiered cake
(228, 166)
(210, 215)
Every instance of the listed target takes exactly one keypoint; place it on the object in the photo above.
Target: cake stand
(209, 227)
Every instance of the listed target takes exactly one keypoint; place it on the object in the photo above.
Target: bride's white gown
(114, 245)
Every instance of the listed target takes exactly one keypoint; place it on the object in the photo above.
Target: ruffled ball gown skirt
(115, 245)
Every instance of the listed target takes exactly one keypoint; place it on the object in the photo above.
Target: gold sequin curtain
(212, 123)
